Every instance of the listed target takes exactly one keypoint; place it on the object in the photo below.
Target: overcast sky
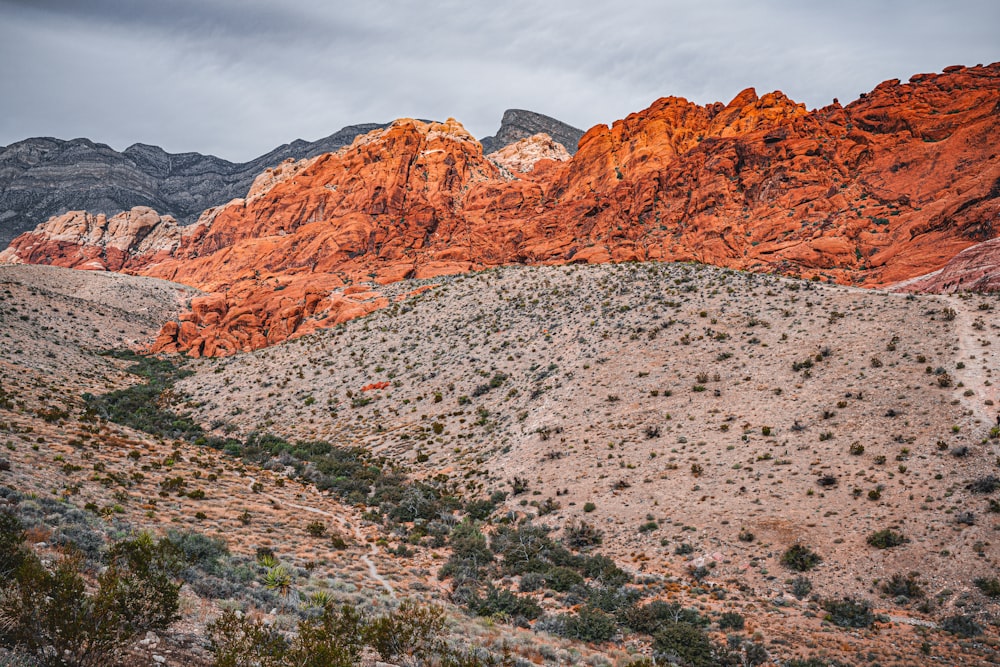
(236, 78)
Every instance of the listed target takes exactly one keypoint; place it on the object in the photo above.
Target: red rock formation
(83, 241)
(889, 187)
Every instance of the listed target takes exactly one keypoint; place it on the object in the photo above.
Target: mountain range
(42, 176)
(881, 191)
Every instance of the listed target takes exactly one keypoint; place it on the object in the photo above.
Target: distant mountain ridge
(43, 176)
(519, 124)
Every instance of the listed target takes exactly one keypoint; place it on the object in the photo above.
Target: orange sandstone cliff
(885, 189)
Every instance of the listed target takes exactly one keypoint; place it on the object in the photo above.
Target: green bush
(51, 615)
(590, 625)
(410, 630)
(649, 618)
(801, 587)
(199, 550)
(503, 601)
(731, 620)
(410, 635)
(899, 585)
(961, 625)
(685, 644)
(12, 552)
(886, 539)
(849, 613)
(582, 535)
(990, 587)
(316, 529)
(561, 579)
(800, 558)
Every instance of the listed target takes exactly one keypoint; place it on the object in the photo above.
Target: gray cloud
(238, 77)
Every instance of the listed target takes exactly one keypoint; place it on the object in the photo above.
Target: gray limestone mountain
(42, 177)
(519, 124)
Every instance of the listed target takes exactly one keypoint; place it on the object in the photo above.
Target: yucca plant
(279, 578)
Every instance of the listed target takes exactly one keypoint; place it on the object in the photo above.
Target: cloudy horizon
(236, 78)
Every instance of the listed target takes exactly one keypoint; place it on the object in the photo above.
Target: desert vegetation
(459, 456)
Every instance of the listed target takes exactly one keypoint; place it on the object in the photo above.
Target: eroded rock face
(890, 187)
(522, 156)
(80, 240)
(975, 269)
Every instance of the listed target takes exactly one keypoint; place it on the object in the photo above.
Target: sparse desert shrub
(827, 481)
(965, 518)
(316, 529)
(518, 485)
(989, 586)
(589, 507)
(582, 535)
(685, 644)
(337, 541)
(731, 620)
(746, 536)
(548, 506)
(199, 550)
(886, 539)
(857, 449)
(900, 585)
(961, 625)
(849, 612)
(987, 484)
(801, 587)
(800, 558)
(648, 526)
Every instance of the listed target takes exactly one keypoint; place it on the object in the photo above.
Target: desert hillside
(702, 420)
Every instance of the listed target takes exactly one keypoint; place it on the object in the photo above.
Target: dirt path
(978, 358)
(358, 535)
(981, 374)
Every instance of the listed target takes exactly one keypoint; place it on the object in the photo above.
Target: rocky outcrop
(890, 187)
(522, 156)
(518, 124)
(81, 240)
(43, 177)
(975, 269)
